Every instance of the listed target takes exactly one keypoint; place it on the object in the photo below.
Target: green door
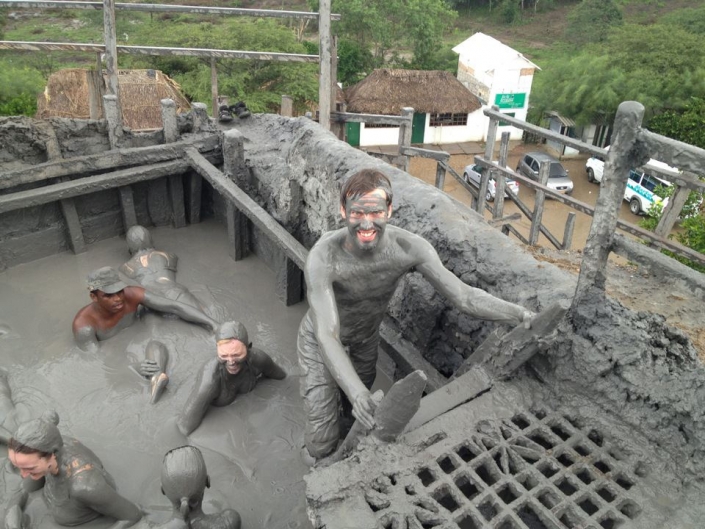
(418, 128)
(352, 134)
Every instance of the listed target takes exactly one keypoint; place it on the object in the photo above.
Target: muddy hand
(527, 319)
(149, 368)
(14, 518)
(364, 408)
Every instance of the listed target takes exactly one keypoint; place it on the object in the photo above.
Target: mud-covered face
(232, 354)
(366, 218)
(33, 465)
(112, 303)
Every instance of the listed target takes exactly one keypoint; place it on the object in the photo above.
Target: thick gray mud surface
(251, 448)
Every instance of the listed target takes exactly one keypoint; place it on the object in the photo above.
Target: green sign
(510, 100)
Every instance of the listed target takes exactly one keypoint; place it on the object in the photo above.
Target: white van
(641, 186)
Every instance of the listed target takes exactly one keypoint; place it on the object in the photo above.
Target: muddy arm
(14, 510)
(183, 311)
(204, 392)
(470, 300)
(97, 494)
(266, 365)
(86, 338)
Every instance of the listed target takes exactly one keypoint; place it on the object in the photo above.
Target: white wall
(379, 136)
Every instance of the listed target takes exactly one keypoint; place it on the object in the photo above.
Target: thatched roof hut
(386, 91)
(77, 93)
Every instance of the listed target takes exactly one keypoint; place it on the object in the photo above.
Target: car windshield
(556, 171)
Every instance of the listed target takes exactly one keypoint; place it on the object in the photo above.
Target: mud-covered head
(34, 445)
(366, 206)
(232, 345)
(138, 238)
(184, 478)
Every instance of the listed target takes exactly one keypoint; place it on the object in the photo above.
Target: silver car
(558, 178)
(473, 173)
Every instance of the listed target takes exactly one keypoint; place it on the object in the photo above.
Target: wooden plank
(178, 207)
(407, 357)
(539, 199)
(290, 282)
(194, 196)
(508, 228)
(440, 156)
(162, 8)
(291, 247)
(675, 153)
(127, 203)
(568, 231)
(157, 51)
(102, 161)
(375, 119)
(504, 220)
(491, 134)
(91, 184)
(73, 224)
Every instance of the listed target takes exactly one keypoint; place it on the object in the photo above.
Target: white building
(497, 75)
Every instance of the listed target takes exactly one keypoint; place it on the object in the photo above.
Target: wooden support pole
(111, 59)
(233, 165)
(440, 175)
(169, 122)
(539, 200)
(500, 179)
(214, 89)
(199, 111)
(287, 108)
(325, 80)
(127, 204)
(178, 207)
(624, 154)
(491, 136)
(481, 201)
(290, 280)
(672, 211)
(568, 231)
(111, 110)
(334, 73)
(195, 188)
(405, 130)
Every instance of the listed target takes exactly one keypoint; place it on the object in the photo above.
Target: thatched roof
(77, 93)
(387, 91)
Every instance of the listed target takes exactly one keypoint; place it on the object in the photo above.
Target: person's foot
(157, 385)
(307, 458)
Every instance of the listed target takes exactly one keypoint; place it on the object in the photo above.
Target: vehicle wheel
(591, 176)
(489, 197)
(635, 206)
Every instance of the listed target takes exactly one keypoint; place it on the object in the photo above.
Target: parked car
(472, 174)
(558, 178)
(641, 186)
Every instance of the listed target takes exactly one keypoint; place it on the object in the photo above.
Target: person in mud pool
(116, 306)
(236, 369)
(184, 483)
(76, 487)
(155, 269)
(351, 274)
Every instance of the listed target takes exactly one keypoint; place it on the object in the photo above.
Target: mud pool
(251, 448)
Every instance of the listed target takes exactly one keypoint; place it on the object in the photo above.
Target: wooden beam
(504, 220)
(102, 161)
(291, 247)
(157, 51)
(375, 119)
(672, 211)
(161, 8)
(675, 153)
(568, 231)
(440, 156)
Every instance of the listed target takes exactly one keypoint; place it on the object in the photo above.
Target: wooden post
(672, 211)
(111, 63)
(440, 175)
(405, 134)
(214, 88)
(169, 124)
(324, 87)
(195, 187)
(99, 64)
(290, 280)
(334, 72)
(482, 191)
(568, 232)
(491, 136)
(624, 154)
(112, 116)
(176, 193)
(500, 179)
(287, 108)
(199, 112)
(127, 203)
(539, 200)
(238, 226)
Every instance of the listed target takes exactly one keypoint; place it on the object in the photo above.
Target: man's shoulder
(84, 317)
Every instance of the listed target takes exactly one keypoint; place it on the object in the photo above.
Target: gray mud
(251, 447)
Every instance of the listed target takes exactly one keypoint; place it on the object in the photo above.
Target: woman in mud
(184, 482)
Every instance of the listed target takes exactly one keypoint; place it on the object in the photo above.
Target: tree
(684, 125)
(592, 20)
(19, 87)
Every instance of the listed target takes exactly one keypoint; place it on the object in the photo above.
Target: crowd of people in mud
(351, 274)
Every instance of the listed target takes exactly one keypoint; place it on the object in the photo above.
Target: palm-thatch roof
(77, 93)
(386, 91)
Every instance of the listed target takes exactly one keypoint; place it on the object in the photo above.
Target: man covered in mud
(155, 269)
(116, 306)
(184, 483)
(235, 370)
(351, 274)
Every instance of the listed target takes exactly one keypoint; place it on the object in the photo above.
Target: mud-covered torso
(152, 266)
(230, 386)
(127, 320)
(77, 464)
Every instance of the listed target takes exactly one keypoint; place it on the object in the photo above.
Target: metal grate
(535, 471)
